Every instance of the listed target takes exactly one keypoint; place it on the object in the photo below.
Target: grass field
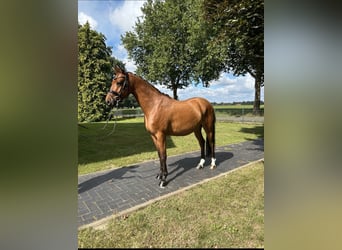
(130, 143)
(226, 212)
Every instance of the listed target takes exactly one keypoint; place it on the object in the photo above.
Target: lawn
(225, 212)
(130, 143)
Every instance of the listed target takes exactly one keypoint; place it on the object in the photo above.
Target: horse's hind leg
(211, 149)
(211, 140)
(201, 142)
(210, 131)
(160, 143)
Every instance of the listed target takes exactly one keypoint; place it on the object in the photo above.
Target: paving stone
(108, 192)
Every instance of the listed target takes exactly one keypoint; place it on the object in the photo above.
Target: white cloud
(130, 65)
(83, 18)
(249, 82)
(125, 16)
(224, 80)
(120, 52)
(226, 89)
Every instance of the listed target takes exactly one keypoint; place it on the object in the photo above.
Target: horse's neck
(146, 95)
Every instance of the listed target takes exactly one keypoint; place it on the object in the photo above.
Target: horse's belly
(181, 132)
(183, 127)
(177, 124)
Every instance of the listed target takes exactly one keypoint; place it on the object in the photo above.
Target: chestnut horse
(166, 116)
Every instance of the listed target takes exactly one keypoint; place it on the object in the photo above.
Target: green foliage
(207, 62)
(167, 44)
(238, 32)
(178, 42)
(238, 37)
(94, 74)
(130, 102)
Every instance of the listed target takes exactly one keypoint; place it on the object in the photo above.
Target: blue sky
(114, 18)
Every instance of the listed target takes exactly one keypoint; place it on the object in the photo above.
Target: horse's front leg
(160, 143)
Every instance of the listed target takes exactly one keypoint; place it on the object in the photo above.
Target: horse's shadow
(190, 163)
(180, 167)
(98, 180)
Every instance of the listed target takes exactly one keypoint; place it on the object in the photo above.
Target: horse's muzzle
(109, 103)
(112, 100)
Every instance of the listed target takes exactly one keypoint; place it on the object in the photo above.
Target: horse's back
(201, 103)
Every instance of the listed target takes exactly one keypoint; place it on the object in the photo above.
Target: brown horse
(166, 116)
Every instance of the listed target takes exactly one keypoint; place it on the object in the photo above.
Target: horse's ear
(117, 69)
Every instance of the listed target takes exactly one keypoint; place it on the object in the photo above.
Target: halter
(124, 86)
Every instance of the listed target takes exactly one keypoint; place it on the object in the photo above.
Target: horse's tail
(207, 144)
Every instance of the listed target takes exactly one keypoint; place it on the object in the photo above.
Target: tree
(167, 44)
(94, 74)
(238, 38)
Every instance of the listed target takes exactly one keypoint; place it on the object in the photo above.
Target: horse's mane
(151, 85)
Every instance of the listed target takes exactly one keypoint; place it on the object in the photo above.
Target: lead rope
(111, 113)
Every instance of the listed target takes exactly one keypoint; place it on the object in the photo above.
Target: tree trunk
(257, 87)
(175, 96)
(174, 89)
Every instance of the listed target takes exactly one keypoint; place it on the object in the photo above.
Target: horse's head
(120, 87)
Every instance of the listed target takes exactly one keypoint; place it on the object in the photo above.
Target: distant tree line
(237, 103)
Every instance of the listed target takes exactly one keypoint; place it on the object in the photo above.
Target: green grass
(226, 212)
(131, 143)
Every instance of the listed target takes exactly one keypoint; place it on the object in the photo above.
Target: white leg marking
(213, 163)
(200, 164)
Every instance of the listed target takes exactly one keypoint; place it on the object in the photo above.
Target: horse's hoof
(201, 164)
(212, 166)
(162, 184)
(199, 167)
